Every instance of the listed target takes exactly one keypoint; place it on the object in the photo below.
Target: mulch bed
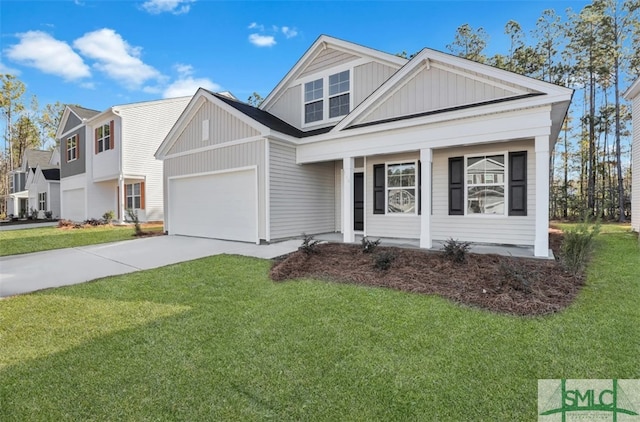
(517, 286)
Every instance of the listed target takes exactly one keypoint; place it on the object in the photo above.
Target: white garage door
(73, 204)
(220, 206)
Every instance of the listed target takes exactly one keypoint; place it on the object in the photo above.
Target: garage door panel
(220, 206)
(73, 204)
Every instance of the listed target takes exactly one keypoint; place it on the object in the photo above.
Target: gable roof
(633, 90)
(34, 158)
(51, 174)
(83, 113)
(321, 44)
(80, 113)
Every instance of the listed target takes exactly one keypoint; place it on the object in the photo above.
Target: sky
(98, 54)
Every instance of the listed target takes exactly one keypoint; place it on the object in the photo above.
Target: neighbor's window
(485, 185)
(72, 148)
(42, 200)
(401, 188)
(133, 195)
(313, 102)
(103, 137)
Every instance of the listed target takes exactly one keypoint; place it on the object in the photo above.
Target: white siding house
(633, 94)
(108, 162)
(354, 140)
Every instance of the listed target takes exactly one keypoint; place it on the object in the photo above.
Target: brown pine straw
(517, 286)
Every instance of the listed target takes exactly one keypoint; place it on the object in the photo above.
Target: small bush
(383, 260)
(309, 244)
(65, 223)
(456, 251)
(34, 214)
(133, 216)
(514, 275)
(369, 246)
(48, 215)
(93, 222)
(108, 217)
(578, 244)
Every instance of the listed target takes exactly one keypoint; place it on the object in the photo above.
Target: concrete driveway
(41, 270)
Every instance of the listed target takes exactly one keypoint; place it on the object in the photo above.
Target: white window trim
(42, 201)
(75, 149)
(133, 195)
(108, 125)
(506, 185)
(324, 75)
(386, 190)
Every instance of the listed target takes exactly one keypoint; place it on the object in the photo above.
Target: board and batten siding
(389, 225)
(144, 129)
(482, 228)
(223, 127)
(327, 59)
(635, 151)
(435, 89)
(367, 78)
(302, 197)
(223, 158)
(53, 199)
(289, 106)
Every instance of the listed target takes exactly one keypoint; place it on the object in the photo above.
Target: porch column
(347, 199)
(121, 216)
(541, 242)
(426, 156)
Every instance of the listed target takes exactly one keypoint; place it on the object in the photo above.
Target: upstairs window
(72, 148)
(332, 102)
(103, 138)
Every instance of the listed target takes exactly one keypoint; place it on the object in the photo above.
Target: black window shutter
(378, 189)
(456, 186)
(518, 183)
(419, 193)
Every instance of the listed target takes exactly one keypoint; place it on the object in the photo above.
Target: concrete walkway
(41, 270)
(4, 227)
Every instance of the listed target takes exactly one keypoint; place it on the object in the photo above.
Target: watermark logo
(568, 400)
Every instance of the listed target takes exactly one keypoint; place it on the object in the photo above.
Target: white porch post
(426, 156)
(541, 242)
(347, 199)
(122, 198)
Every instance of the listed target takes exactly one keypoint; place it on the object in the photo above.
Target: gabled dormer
(331, 79)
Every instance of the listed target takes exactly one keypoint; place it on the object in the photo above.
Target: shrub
(133, 216)
(48, 215)
(515, 275)
(456, 251)
(92, 222)
(369, 246)
(383, 260)
(34, 214)
(578, 244)
(309, 244)
(108, 217)
(65, 223)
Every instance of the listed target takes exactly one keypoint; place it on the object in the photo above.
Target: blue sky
(103, 53)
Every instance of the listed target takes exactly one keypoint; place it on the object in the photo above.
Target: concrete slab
(36, 271)
(6, 227)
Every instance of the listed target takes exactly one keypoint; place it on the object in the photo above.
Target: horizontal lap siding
(483, 229)
(434, 89)
(223, 158)
(388, 225)
(223, 127)
(302, 197)
(289, 106)
(326, 59)
(635, 186)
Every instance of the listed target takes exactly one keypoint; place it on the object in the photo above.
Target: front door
(358, 201)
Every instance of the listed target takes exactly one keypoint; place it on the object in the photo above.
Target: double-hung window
(133, 195)
(72, 148)
(103, 138)
(401, 188)
(486, 184)
(325, 104)
(42, 201)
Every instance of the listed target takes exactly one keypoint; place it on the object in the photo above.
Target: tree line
(595, 51)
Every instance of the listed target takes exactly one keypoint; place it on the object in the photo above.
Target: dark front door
(358, 201)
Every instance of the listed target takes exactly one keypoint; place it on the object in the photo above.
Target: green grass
(215, 339)
(13, 242)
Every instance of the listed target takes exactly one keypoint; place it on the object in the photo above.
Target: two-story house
(20, 183)
(107, 159)
(354, 140)
(633, 94)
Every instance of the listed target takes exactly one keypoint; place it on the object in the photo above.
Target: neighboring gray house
(108, 162)
(354, 140)
(633, 94)
(18, 199)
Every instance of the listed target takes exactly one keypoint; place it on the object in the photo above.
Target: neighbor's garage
(221, 205)
(73, 204)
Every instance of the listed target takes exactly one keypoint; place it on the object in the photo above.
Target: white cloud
(186, 84)
(6, 69)
(254, 25)
(177, 7)
(115, 57)
(40, 50)
(262, 40)
(289, 32)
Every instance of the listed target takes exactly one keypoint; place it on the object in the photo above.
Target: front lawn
(13, 242)
(215, 339)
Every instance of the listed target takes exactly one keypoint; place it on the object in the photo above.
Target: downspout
(120, 147)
